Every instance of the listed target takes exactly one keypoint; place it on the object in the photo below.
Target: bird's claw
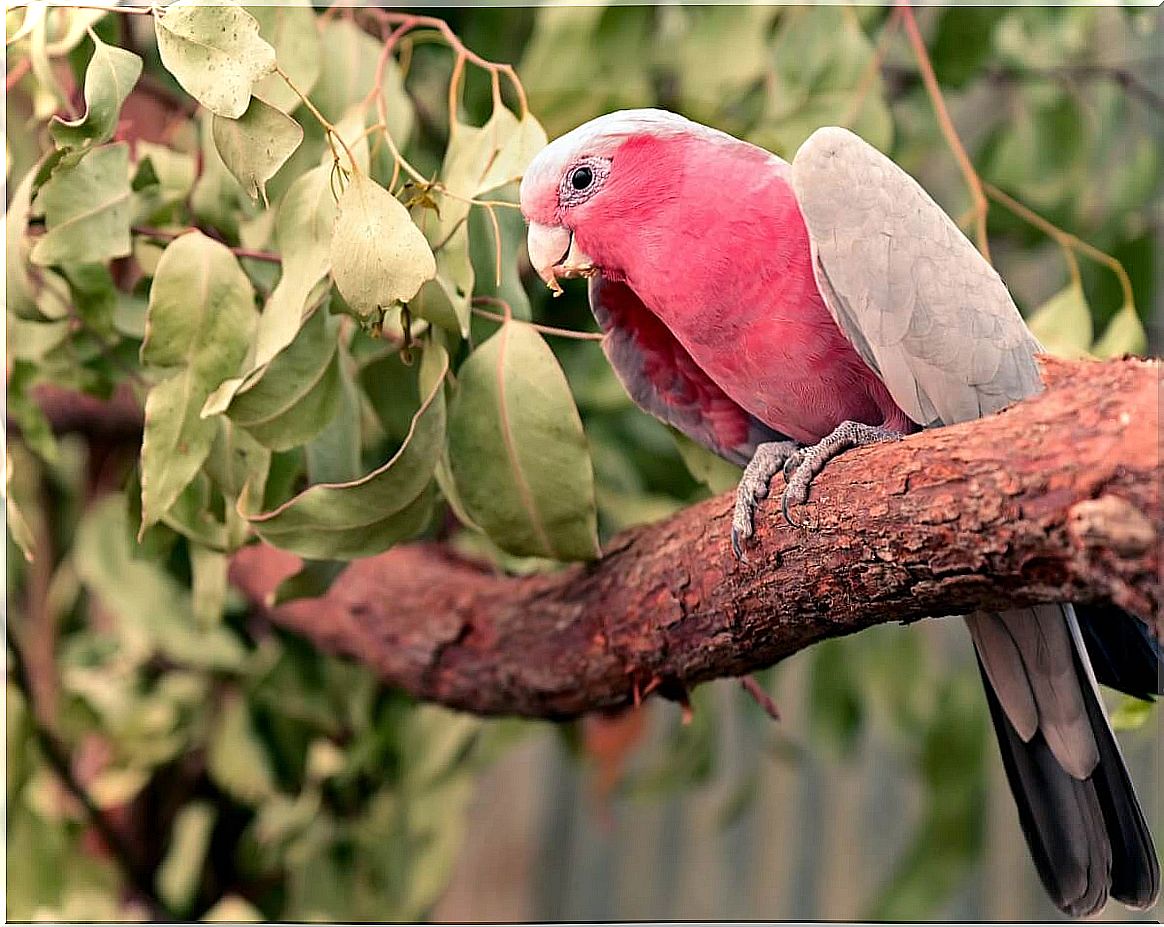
(785, 510)
(802, 468)
(754, 488)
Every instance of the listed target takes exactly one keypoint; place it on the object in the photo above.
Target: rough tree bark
(1057, 498)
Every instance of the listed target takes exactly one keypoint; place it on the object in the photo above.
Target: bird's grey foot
(802, 467)
(753, 489)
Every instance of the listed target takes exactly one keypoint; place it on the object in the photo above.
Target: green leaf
(1131, 713)
(181, 871)
(192, 515)
(86, 208)
(304, 225)
(153, 612)
(378, 256)
(237, 759)
(109, 78)
(444, 300)
(311, 581)
(22, 409)
(735, 38)
(514, 143)
(342, 521)
(708, 468)
(217, 199)
(833, 87)
(298, 392)
(163, 180)
(348, 71)
(214, 52)
(291, 28)
(478, 160)
(517, 451)
(94, 296)
(236, 459)
(948, 841)
(483, 250)
(588, 61)
(333, 455)
(1063, 323)
(18, 527)
(19, 291)
(207, 584)
(1124, 335)
(256, 144)
(962, 46)
(392, 390)
(198, 328)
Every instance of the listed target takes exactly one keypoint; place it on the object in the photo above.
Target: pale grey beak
(553, 253)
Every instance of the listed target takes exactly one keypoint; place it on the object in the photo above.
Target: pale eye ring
(582, 180)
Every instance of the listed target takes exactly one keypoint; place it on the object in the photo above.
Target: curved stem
(162, 235)
(454, 42)
(329, 129)
(544, 329)
(1066, 241)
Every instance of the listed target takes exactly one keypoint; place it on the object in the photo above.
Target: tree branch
(1055, 499)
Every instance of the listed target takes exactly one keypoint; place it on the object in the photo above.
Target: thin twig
(13, 77)
(162, 235)
(455, 43)
(1066, 240)
(544, 329)
(762, 698)
(496, 242)
(328, 128)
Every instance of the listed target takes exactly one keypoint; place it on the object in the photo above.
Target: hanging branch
(932, 525)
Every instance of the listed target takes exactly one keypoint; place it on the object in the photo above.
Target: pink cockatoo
(781, 313)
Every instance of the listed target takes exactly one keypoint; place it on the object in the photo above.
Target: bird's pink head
(597, 199)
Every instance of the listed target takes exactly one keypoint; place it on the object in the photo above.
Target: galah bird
(781, 313)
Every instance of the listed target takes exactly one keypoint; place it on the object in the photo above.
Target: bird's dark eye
(581, 178)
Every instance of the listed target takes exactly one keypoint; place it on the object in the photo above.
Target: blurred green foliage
(258, 778)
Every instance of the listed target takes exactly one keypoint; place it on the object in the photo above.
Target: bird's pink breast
(724, 261)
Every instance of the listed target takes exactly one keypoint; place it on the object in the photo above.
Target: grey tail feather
(1088, 838)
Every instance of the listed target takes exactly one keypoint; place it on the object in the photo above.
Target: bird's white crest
(603, 135)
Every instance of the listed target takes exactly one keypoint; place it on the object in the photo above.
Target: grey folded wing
(923, 308)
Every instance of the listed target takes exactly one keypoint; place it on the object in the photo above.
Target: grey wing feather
(933, 320)
(922, 307)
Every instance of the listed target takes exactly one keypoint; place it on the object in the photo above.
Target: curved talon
(802, 467)
(754, 488)
(784, 503)
(737, 546)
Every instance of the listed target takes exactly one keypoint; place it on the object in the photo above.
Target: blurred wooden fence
(818, 839)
